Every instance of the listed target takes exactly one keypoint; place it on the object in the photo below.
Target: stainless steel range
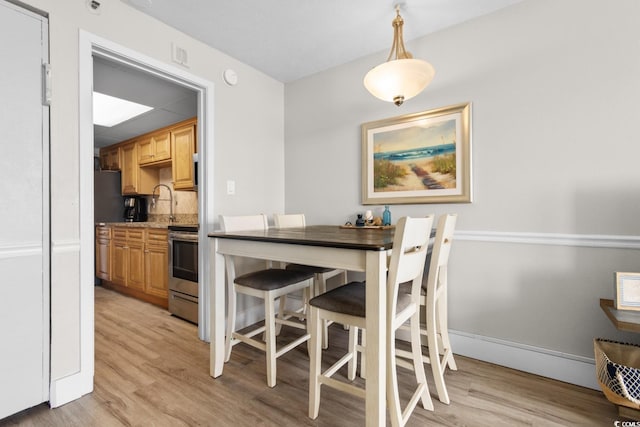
(183, 271)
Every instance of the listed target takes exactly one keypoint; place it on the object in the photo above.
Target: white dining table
(350, 249)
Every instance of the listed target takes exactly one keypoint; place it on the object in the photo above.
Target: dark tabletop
(318, 235)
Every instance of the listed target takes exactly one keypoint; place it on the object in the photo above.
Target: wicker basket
(618, 371)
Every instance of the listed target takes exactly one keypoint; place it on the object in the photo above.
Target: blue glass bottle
(386, 216)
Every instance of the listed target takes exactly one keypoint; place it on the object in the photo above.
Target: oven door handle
(187, 237)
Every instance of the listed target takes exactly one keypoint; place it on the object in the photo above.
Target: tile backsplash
(185, 203)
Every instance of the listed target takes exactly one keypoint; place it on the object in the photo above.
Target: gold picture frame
(627, 291)
(418, 158)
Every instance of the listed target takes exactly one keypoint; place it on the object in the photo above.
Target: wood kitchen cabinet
(157, 263)
(135, 258)
(103, 252)
(155, 149)
(119, 256)
(139, 261)
(128, 168)
(141, 158)
(183, 147)
(127, 255)
(136, 180)
(110, 158)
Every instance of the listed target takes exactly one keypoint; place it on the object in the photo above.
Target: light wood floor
(151, 370)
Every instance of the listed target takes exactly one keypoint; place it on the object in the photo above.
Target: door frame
(89, 45)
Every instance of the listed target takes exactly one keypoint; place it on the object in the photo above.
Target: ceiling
(172, 103)
(299, 38)
(290, 39)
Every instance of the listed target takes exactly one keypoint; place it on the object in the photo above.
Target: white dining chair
(269, 284)
(433, 300)
(320, 274)
(346, 305)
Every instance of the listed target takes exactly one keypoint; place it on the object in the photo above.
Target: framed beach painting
(418, 158)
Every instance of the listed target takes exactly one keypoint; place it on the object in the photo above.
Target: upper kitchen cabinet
(110, 158)
(136, 180)
(183, 147)
(155, 149)
(141, 158)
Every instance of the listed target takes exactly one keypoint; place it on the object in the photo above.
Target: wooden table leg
(376, 327)
(216, 312)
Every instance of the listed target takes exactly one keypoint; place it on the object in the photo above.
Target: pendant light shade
(401, 77)
(398, 80)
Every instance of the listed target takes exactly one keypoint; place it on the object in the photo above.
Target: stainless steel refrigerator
(108, 203)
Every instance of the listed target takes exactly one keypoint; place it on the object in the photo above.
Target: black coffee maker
(135, 209)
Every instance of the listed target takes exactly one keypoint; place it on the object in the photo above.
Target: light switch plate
(231, 188)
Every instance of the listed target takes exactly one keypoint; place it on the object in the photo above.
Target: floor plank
(151, 369)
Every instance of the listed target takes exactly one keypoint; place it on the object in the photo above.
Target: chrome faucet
(153, 199)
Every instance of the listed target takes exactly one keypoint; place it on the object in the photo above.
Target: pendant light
(402, 77)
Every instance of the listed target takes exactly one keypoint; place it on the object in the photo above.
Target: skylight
(110, 111)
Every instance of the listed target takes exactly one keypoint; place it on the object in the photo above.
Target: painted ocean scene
(417, 158)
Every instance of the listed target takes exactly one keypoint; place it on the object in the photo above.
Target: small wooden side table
(628, 321)
(623, 320)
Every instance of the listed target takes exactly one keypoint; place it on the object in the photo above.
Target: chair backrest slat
(244, 222)
(288, 220)
(440, 254)
(410, 245)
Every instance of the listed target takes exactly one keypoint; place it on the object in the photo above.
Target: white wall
(248, 134)
(554, 88)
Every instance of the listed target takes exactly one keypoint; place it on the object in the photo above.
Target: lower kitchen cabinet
(139, 263)
(156, 263)
(119, 261)
(135, 264)
(103, 253)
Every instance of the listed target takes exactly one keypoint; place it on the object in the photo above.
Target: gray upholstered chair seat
(272, 285)
(350, 299)
(273, 278)
(309, 268)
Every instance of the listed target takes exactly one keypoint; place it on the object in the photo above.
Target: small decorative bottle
(368, 218)
(386, 216)
(360, 221)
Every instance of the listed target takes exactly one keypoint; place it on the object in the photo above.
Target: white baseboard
(69, 388)
(564, 367)
(560, 366)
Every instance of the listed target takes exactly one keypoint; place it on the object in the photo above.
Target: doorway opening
(93, 46)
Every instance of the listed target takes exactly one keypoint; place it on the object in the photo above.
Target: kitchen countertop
(164, 225)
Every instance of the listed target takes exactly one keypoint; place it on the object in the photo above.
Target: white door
(24, 211)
